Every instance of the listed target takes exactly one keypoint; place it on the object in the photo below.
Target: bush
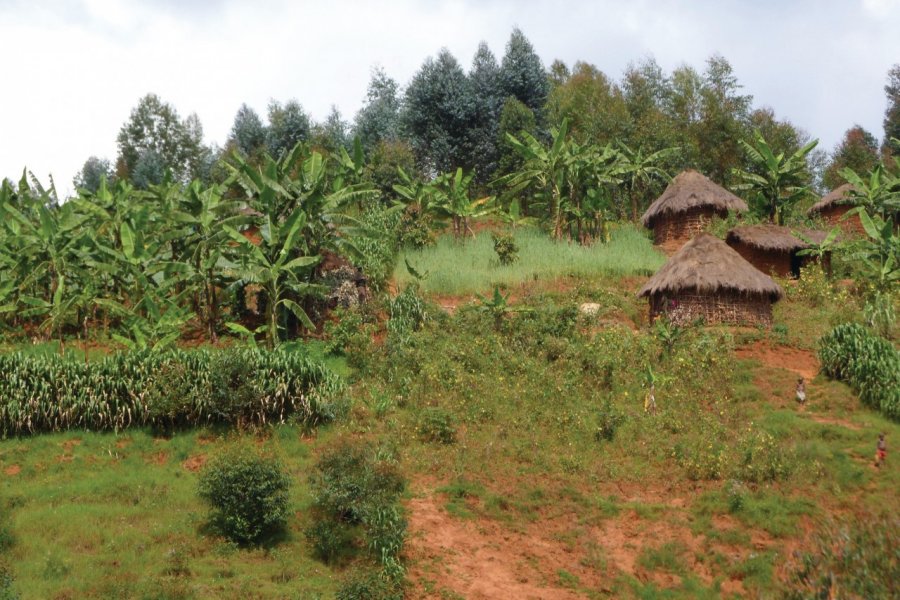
(860, 558)
(331, 540)
(608, 420)
(248, 493)
(761, 459)
(370, 586)
(436, 425)
(408, 313)
(352, 487)
(870, 364)
(164, 390)
(506, 248)
(7, 589)
(349, 483)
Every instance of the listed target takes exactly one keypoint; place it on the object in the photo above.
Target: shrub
(353, 487)
(761, 459)
(408, 312)
(370, 586)
(506, 248)
(608, 420)
(349, 483)
(248, 493)
(859, 557)
(870, 364)
(7, 589)
(331, 540)
(704, 456)
(737, 495)
(436, 425)
(377, 244)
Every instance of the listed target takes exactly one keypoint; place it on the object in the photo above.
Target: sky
(73, 70)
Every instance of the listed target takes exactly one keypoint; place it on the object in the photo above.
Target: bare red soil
(801, 362)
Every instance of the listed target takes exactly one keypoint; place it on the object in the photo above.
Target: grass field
(533, 468)
(455, 267)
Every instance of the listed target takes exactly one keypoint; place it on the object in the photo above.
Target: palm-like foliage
(778, 181)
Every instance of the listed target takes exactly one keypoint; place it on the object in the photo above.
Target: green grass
(472, 266)
(103, 516)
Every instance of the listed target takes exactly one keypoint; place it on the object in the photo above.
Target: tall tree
(684, 109)
(724, 120)
(248, 133)
(437, 113)
(516, 119)
(593, 105)
(487, 102)
(92, 172)
(522, 75)
(892, 114)
(154, 127)
(331, 134)
(288, 125)
(379, 119)
(858, 151)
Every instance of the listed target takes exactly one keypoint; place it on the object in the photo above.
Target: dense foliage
(162, 389)
(870, 364)
(248, 492)
(859, 558)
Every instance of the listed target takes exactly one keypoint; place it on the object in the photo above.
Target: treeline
(450, 117)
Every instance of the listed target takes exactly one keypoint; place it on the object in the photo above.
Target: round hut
(685, 208)
(833, 208)
(774, 249)
(707, 279)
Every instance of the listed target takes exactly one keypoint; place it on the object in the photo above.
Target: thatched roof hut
(772, 248)
(833, 207)
(708, 280)
(686, 206)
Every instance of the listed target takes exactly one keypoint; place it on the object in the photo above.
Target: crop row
(164, 390)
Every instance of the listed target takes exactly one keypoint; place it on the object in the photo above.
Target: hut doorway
(796, 262)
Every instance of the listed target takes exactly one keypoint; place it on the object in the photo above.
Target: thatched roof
(774, 237)
(839, 195)
(688, 190)
(707, 264)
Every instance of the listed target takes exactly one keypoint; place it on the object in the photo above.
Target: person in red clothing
(880, 451)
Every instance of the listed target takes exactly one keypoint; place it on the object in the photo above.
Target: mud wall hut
(773, 249)
(685, 208)
(833, 209)
(708, 280)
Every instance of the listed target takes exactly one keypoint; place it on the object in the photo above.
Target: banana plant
(640, 170)
(880, 251)
(779, 181)
(878, 194)
(453, 201)
(544, 170)
(204, 212)
(274, 267)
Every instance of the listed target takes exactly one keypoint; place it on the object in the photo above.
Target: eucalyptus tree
(522, 75)
(155, 133)
(439, 106)
(778, 182)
